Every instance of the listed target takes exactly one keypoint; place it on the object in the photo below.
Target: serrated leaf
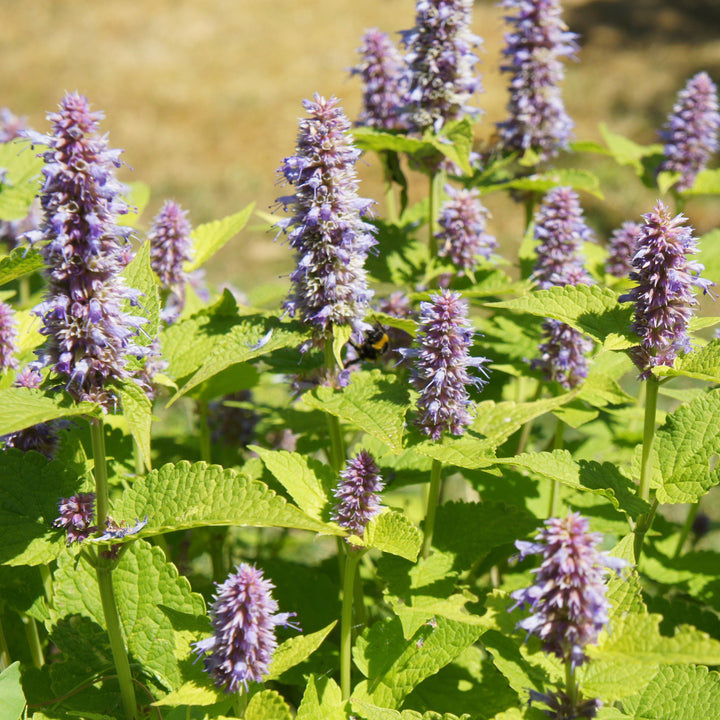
(24, 407)
(590, 309)
(21, 178)
(393, 533)
(624, 590)
(460, 135)
(566, 177)
(373, 401)
(322, 699)
(685, 446)
(139, 276)
(296, 650)
(677, 693)
(21, 261)
(626, 151)
(137, 411)
(183, 496)
(707, 182)
(367, 138)
(468, 451)
(701, 364)
(267, 705)
(12, 697)
(611, 681)
(211, 237)
(299, 476)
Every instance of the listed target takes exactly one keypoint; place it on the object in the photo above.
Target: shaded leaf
(21, 261)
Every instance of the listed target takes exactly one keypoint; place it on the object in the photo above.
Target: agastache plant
(441, 61)
(89, 335)
(691, 131)
(327, 230)
(540, 40)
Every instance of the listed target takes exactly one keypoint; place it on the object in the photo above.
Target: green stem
(390, 204)
(205, 449)
(337, 444)
(436, 178)
(5, 659)
(645, 520)
(571, 687)
(555, 490)
(351, 561)
(104, 575)
(24, 291)
(530, 203)
(47, 581)
(33, 638)
(241, 704)
(527, 427)
(359, 600)
(432, 503)
(138, 459)
(689, 520)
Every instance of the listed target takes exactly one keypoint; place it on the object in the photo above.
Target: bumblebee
(374, 345)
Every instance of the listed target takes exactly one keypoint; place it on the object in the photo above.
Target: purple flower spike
(8, 338)
(11, 126)
(563, 354)
(691, 132)
(357, 494)
(89, 334)
(539, 40)
(441, 365)
(230, 424)
(244, 616)
(568, 597)
(76, 515)
(170, 249)
(385, 82)
(621, 249)
(663, 295)
(463, 236)
(442, 63)
(330, 238)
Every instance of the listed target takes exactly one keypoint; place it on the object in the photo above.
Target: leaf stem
(337, 444)
(645, 520)
(33, 638)
(390, 204)
(5, 659)
(689, 520)
(432, 503)
(351, 561)
(571, 687)
(241, 704)
(555, 489)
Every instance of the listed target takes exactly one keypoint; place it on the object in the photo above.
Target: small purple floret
(8, 338)
(244, 616)
(621, 249)
(76, 516)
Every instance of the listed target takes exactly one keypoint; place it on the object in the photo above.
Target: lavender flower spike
(539, 40)
(568, 597)
(357, 493)
(89, 334)
(244, 616)
(663, 295)
(441, 365)
(326, 230)
(442, 63)
(8, 338)
(621, 249)
(691, 132)
(170, 249)
(385, 82)
(76, 515)
(462, 235)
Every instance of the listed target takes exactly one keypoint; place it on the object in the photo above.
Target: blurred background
(204, 95)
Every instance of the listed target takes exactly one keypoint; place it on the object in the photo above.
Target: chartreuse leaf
(679, 692)
(29, 492)
(21, 261)
(626, 151)
(590, 309)
(144, 583)
(394, 666)
(296, 650)
(702, 364)
(137, 200)
(686, 446)
(20, 180)
(612, 681)
(367, 138)
(341, 335)
(373, 401)
(24, 407)
(183, 496)
(460, 135)
(137, 411)
(322, 699)
(12, 698)
(393, 533)
(542, 182)
(267, 705)
(211, 237)
(139, 276)
(707, 182)
(368, 711)
(623, 589)
(306, 480)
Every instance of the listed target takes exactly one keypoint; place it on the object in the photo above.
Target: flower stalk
(433, 499)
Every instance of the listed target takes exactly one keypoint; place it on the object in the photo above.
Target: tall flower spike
(8, 338)
(535, 48)
(244, 616)
(664, 295)
(442, 63)
(621, 249)
(170, 249)
(691, 132)
(385, 82)
(441, 365)
(357, 493)
(89, 334)
(462, 236)
(326, 230)
(567, 600)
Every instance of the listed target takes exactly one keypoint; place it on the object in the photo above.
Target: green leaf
(590, 309)
(341, 335)
(184, 496)
(296, 650)
(373, 401)
(29, 492)
(137, 411)
(21, 179)
(677, 693)
(393, 533)
(139, 275)
(612, 681)
(707, 182)
(267, 705)
(322, 699)
(686, 445)
(21, 261)
(709, 256)
(12, 698)
(137, 201)
(702, 364)
(24, 407)
(366, 138)
(211, 237)
(305, 479)
(460, 134)
(542, 182)
(627, 152)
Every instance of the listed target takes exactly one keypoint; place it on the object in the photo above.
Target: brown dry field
(204, 95)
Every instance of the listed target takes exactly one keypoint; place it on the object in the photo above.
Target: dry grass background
(204, 95)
